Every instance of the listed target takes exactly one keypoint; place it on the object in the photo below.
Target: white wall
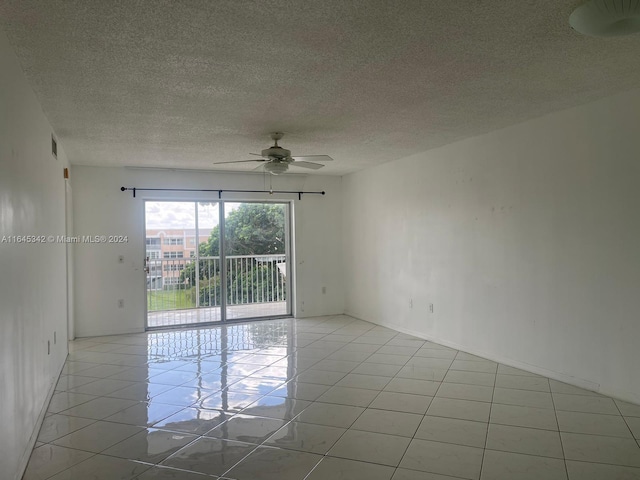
(32, 277)
(525, 240)
(100, 208)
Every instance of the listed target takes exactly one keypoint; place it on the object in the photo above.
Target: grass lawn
(170, 299)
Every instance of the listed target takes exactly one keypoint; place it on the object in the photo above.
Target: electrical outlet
(120, 258)
(121, 303)
(411, 303)
(431, 307)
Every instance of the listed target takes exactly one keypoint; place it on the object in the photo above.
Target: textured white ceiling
(186, 83)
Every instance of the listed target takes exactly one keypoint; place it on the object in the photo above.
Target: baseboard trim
(108, 333)
(561, 377)
(24, 460)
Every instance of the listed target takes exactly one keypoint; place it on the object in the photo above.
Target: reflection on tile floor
(323, 398)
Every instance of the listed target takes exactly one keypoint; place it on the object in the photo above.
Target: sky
(167, 215)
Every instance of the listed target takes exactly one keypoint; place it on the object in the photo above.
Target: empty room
(296, 240)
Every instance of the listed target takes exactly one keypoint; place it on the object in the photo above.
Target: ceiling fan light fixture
(606, 18)
(276, 168)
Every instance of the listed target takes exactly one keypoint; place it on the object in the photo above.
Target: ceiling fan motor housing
(276, 152)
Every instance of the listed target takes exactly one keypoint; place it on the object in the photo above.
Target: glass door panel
(208, 252)
(255, 251)
(175, 231)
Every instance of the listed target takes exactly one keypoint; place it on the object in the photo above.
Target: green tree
(251, 229)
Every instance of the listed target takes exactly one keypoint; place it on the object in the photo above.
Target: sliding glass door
(193, 277)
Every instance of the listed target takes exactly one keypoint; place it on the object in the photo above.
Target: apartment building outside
(168, 251)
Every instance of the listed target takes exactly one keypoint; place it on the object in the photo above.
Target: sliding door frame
(289, 256)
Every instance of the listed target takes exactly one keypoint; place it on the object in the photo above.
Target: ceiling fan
(276, 160)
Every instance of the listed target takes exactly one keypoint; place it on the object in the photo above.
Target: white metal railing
(255, 279)
(181, 283)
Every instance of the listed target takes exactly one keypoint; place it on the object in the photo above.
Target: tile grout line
(414, 433)
(296, 416)
(555, 412)
(486, 437)
(637, 440)
(361, 413)
(423, 417)
(325, 455)
(177, 353)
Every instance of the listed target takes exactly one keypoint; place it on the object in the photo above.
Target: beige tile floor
(326, 398)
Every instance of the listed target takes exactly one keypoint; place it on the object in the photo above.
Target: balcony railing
(182, 283)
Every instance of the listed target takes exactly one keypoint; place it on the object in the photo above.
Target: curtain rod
(220, 191)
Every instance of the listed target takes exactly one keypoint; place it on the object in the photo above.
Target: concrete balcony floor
(191, 316)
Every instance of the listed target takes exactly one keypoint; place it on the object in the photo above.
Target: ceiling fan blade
(256, 154)
(240, 161)
(259, 167)
(316, 158)
(314, 166)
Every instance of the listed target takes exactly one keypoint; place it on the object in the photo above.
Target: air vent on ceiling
(54, 146)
